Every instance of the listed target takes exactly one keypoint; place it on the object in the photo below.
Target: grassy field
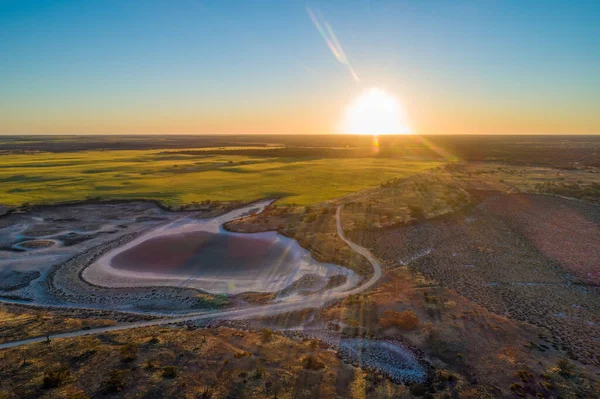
(177, 179)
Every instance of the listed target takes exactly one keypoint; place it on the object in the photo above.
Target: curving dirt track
(312, 301)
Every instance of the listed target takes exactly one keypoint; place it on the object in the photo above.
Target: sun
(375, 112)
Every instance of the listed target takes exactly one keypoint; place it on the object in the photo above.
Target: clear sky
(221, 66)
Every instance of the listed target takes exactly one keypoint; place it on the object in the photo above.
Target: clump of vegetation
(417, 390)
(129, 352)
(259, 371)
(55, 378)
(517, 389)
(151, 364)
(405, 320)
(312, 362)
(434, 305)
(169, 372)
(446, 376)
(565, 367)
(206, 393)
(210, 301)
(524, 375)
(266, 335)
(115, 381)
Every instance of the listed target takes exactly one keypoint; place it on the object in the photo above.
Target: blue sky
(193, 66)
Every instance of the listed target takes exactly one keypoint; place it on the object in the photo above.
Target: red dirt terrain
(534, 258)
(563, 231)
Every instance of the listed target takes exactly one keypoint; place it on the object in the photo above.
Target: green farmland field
(177, 179)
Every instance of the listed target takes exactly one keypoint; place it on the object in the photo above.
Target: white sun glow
(375, 112)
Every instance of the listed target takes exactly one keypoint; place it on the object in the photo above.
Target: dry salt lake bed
(136, 257)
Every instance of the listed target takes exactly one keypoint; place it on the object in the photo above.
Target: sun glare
(375, 112)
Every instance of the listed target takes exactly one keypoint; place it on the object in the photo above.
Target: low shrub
(129, 352)
(524, 375)
(565, 367)
(417, 390)
(55, 378)
(516, 387)
(405, 320)
(115, 381)
(312, 362)
(151, 364)
(169, 372)
(266, 335)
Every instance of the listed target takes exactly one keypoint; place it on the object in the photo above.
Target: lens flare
(375, 112)
(331, 40)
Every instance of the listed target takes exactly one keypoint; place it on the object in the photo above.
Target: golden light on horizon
(375, 112)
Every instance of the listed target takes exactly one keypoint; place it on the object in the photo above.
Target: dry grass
(183, 364)
(405, 320)
(19, 323)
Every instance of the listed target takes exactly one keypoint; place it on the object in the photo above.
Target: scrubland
(489, 273)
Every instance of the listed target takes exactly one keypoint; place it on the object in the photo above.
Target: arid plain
(258, 266)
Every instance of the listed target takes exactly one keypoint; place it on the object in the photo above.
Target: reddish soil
(563, 232)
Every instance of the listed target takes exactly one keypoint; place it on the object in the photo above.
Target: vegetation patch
(46, 178)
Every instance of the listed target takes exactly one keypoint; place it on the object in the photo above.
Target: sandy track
(311, 301)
